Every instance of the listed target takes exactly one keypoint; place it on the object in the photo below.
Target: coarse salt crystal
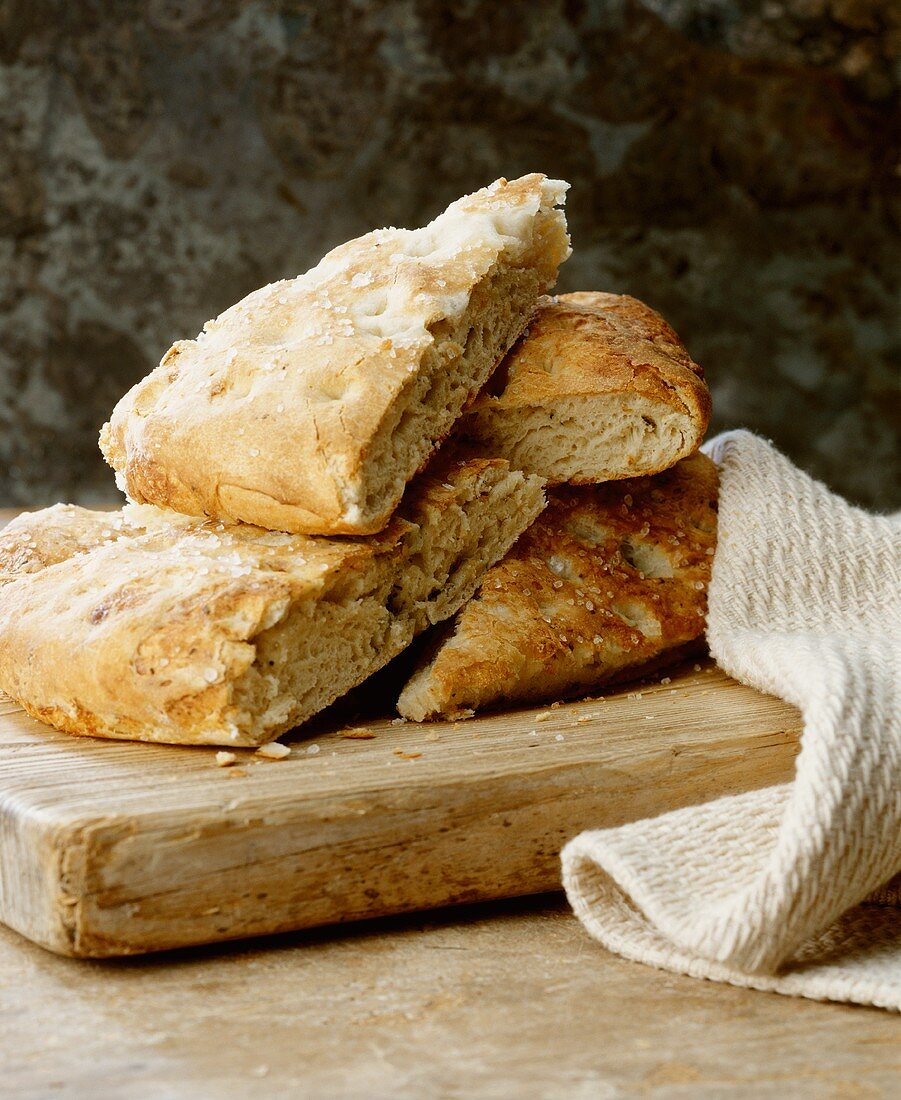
(312, 750)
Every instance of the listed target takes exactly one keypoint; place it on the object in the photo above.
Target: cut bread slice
(147, 625)
(309, 405)
(598, 388)
(610, 578)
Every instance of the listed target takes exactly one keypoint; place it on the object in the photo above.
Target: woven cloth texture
(795, 888)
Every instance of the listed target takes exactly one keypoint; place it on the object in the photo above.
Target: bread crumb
(559, 737)
(225, 759)
(697, 668)
(666, 680)
(407, 755)
(358, 734)
(543, 717)
(273, 751)
(432, 735)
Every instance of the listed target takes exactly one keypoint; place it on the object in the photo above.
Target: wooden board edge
(42, 877)
(370, 871)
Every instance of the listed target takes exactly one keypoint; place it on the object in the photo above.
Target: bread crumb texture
(149, 625)
(273, 751)
(309, 405)
(598, 388)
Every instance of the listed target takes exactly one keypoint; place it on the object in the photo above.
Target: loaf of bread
(147, 625)
(309, 405)
(609, 579)
(598, 388)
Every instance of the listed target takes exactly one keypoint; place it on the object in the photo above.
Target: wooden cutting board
(110, 848)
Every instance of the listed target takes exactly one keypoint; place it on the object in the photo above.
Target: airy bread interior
(309, 405)
(579, 439)
(463, 353)
(452, 371)
(147, 625)
(322, 648)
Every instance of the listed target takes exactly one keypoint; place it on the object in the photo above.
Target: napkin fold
(795, 888)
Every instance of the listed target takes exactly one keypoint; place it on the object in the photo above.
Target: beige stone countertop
(510, 999)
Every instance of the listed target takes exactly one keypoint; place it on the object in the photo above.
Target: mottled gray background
(731, 162)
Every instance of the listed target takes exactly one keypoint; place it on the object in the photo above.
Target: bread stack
(335, 465)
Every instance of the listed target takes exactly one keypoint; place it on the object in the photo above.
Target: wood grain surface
(110, 848)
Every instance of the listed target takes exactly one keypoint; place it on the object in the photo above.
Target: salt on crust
(609, 579)
(153, 626)
(308, 405)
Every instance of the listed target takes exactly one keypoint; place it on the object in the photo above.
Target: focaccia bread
(609, 578)
(147, 625)
(598, 388)
(309, 405)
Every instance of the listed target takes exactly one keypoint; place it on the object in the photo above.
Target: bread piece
(147, 625)
(598, 388)
(608, 579)
(309, 405)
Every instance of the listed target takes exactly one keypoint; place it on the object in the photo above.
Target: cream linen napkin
(787, 888)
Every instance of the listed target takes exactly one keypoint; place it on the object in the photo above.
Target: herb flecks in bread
(598, 388)
(309, 405)
(148, 625)
(608, 579)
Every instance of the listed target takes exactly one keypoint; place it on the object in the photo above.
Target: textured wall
(731, 163)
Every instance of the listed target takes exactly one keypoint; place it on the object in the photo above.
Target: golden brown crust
(582, 351)
(608, 578)
(280, 413)
(146, 624)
